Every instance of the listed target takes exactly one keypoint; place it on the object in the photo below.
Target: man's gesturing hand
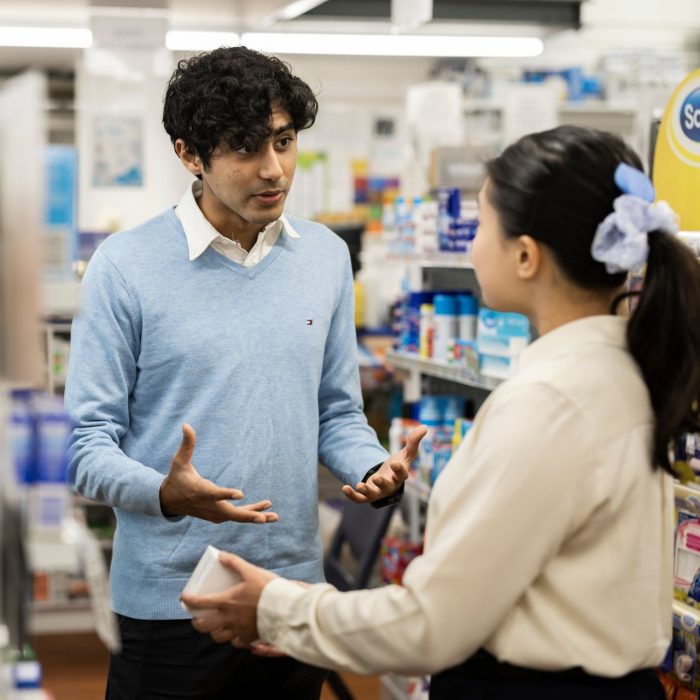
(185, 492)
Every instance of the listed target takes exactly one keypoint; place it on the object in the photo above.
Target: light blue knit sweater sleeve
(348, 446)
(102, 370)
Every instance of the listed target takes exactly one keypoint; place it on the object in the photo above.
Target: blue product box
(501, 334)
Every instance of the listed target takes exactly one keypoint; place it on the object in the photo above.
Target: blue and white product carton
(448, 215)
(430, 415)
(425, 217)
(50, 497)
(22, 442)
(501, 337)
(404, 226)
(452, 409)
(26, 677)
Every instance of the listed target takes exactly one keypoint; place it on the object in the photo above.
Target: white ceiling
(222, 15)
(212, 13)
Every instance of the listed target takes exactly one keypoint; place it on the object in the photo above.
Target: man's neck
(231, 227)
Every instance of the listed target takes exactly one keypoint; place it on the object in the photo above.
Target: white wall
(165, 179)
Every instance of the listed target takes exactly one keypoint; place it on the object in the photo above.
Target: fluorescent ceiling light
(46, 37)
(296, 8)
(394, 44)
(199, 41)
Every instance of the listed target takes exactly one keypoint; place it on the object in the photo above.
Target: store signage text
(690, 115)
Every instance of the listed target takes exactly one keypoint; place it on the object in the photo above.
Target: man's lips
(269, 196)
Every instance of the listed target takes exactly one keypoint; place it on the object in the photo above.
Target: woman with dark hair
(548, 549)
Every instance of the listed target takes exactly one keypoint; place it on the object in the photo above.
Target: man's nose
(270, 167)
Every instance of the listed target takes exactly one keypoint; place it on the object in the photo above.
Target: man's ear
(529, 257)
(190, 160)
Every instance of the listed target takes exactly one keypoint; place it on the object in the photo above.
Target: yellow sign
(677, 154)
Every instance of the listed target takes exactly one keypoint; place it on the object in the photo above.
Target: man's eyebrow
(282, 129)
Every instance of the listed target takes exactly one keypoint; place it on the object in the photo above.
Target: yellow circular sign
(677, 154)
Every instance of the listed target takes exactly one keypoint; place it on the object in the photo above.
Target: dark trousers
(484, 678)
(169, 659)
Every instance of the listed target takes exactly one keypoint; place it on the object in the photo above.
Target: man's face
(248, 189)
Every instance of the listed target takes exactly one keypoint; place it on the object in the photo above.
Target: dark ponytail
(664, 337)
(557, 186)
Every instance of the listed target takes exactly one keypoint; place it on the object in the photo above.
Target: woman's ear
(529, 257)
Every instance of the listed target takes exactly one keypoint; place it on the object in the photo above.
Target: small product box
(210, 576)
(501, 337)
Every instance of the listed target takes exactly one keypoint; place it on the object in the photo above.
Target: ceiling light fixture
(297, 8)
(177, 40)
(394, 44)
(46, 37)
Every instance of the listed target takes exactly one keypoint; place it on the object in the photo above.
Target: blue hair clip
(634, 182)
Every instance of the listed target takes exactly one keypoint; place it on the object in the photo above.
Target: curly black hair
(225, 97)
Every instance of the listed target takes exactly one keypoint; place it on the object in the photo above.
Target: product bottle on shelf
(426, 330)
(445, 322)
(468, 316)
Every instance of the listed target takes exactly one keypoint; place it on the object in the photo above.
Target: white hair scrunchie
(621, 241)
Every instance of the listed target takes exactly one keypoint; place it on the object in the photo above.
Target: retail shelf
(61, 618)
(438, 260)
(52, 555)
(440, 370)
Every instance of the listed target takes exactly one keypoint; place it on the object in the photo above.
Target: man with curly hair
(225, 316)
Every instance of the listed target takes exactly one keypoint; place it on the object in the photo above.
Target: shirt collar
(566, 339)
(199, 231)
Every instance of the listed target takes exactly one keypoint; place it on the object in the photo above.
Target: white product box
(210, 576)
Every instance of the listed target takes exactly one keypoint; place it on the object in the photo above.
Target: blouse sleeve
(499, 512)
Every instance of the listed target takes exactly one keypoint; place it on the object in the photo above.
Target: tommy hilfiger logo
(309, 322)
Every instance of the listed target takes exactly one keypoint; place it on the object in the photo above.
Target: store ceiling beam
(560, 13)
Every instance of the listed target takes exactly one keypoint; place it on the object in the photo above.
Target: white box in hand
(210, 576)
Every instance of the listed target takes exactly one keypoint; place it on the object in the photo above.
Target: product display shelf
(440, 370)
(61, 618)
(436, 259)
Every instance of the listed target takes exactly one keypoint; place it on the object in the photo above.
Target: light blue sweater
(261, 361)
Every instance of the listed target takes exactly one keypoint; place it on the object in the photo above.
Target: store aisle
(75, 667)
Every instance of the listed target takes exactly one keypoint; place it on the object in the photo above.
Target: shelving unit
(60, 618)
(412, 363)
(434, 260)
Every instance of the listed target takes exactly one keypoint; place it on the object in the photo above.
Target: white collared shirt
(201, 234)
